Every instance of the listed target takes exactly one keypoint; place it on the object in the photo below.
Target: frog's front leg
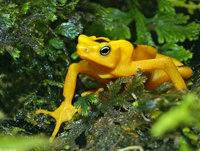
(66, 110)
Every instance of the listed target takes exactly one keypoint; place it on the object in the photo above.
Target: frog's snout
(83, 39)
(82, 51)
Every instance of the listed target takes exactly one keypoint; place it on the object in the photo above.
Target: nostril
(82, 47)
(86, 49)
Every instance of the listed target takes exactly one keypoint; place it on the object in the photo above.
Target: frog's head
(98, 50)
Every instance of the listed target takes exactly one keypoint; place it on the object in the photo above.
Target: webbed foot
(62, 114)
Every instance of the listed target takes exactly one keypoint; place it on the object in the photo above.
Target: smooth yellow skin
(123, 60)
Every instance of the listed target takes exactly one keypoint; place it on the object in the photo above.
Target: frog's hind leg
(185, 71)
(157, 77)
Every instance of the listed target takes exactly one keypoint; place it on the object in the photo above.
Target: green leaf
(113, 24)
(176, 51)
(25, 7)
(2, 116)
(166, 6)
(46, 9)
(62, 1)
(21, 143)
(74, 55)
(190, 5)
(184, 146)
(119, 31)
(119, 16)
(52, 17)
(14, 52)
(6, 21)
(1, 51)
(69, 29)
(56, 43)
(187, 132)
(143, 36)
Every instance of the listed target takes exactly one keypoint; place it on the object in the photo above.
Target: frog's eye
(105, 50)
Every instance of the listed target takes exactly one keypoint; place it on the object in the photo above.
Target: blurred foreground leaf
(21, 143)
(2, 116)
(183, 115)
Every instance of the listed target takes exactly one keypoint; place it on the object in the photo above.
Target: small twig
(134, 96)
(144, 117)
(133, 148)
(119, 139)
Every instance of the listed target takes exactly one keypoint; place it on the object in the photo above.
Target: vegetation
(37, 44)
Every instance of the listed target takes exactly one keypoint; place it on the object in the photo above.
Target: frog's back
(143, 52)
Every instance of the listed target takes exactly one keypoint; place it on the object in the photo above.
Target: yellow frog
(105, 59)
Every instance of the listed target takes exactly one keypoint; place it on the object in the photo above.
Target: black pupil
(105, 50)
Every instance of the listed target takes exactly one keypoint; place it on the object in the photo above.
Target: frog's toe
(42, 111)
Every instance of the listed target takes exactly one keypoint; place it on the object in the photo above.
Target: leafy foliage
(85, 103)
(143, 35)
(190, 5)
(113, 23)
(37, 44)
(176, 51)
(169, 29)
